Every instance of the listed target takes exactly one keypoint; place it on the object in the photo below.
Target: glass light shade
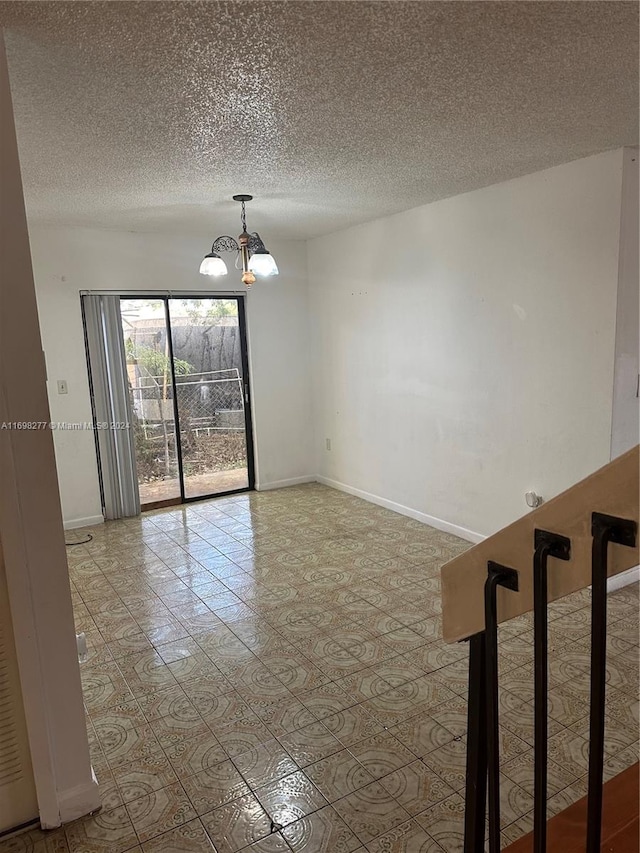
(213, 264)
(263, 263)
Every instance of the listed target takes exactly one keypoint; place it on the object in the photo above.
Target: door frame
(240, 298)
(248, 426)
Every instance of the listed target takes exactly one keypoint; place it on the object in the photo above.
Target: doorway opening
(188, 377)
(184, 382)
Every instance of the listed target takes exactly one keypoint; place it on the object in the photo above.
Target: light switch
(62, 386)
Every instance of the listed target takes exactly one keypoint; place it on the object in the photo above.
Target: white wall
(68, 260)
(464, 351)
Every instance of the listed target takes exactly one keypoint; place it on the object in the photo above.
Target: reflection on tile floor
(266, 674)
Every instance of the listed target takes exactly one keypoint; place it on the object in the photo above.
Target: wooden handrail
(612, 489)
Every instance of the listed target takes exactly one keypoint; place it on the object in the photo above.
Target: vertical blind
(112, 405)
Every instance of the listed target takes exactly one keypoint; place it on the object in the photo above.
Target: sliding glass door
(187, 373)
(147, 347)
(207, 339)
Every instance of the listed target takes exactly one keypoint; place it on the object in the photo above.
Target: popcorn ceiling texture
(149, 116)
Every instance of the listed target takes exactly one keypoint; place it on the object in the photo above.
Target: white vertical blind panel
(18, 803)
(111, 403)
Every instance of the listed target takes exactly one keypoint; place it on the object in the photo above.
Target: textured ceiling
(150, 115)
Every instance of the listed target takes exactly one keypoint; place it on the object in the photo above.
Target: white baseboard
(89, 521)
(78, 801)
(623, 579)
(282, 484)
(432, 521)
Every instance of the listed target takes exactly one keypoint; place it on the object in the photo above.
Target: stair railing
(579, 538)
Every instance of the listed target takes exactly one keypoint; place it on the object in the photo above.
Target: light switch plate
(62, 386)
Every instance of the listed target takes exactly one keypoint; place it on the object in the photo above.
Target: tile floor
(266, 674)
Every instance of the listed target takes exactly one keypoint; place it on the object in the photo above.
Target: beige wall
(464, 351)
(18, 802)
(31, 521)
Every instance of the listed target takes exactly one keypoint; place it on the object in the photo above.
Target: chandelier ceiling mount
(251, 252)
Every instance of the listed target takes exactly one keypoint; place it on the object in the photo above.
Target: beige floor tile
(391, 707)
(381, 754)
(429, 628)
(370, 812)
(36, 841)
(193, 756)
(169, 701)
(243, 735)
(570, 751)
(310, 744)
(110, 793)
(144, 776)
(338, 775)
(421, 734)
(190, 837)
(283, 716)
(107, 832)
(237, 824)
(416, 787)
(363, 685)
(409, 837)
(520, 770)
(444, 823)
(159, 811)
(273, 843)
(265, 763)
(103, 692)
(515, 802)
(217, 709)
(399, 670)
(403, 640)
(452, 716)
(518, 719)
(515, 830)
(617, 736)
(289, 799)
(324, 831)
(352, 725)
(449, 763)
(125, 744)
(235, 635)
(172, 730)
(214, 787)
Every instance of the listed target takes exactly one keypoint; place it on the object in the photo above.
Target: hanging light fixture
(250, 249)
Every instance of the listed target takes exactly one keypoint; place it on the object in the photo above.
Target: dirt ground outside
(212, 463)
(210, 483)
(201, 454)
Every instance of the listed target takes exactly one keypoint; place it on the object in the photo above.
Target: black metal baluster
(497, 576)
(604, 529)
(546, 545)
(476, 788)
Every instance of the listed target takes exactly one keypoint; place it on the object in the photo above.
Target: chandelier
(249, 248)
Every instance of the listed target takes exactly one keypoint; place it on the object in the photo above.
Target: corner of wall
(625, 418)
(79, 801)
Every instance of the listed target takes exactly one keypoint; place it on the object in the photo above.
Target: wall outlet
(328, 443)
(62, 386)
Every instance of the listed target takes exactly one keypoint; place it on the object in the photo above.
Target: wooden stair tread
(567, 831)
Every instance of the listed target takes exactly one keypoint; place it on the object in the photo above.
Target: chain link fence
(211, 411)
(208, 401)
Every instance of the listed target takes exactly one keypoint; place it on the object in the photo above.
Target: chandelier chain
(243, 219)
